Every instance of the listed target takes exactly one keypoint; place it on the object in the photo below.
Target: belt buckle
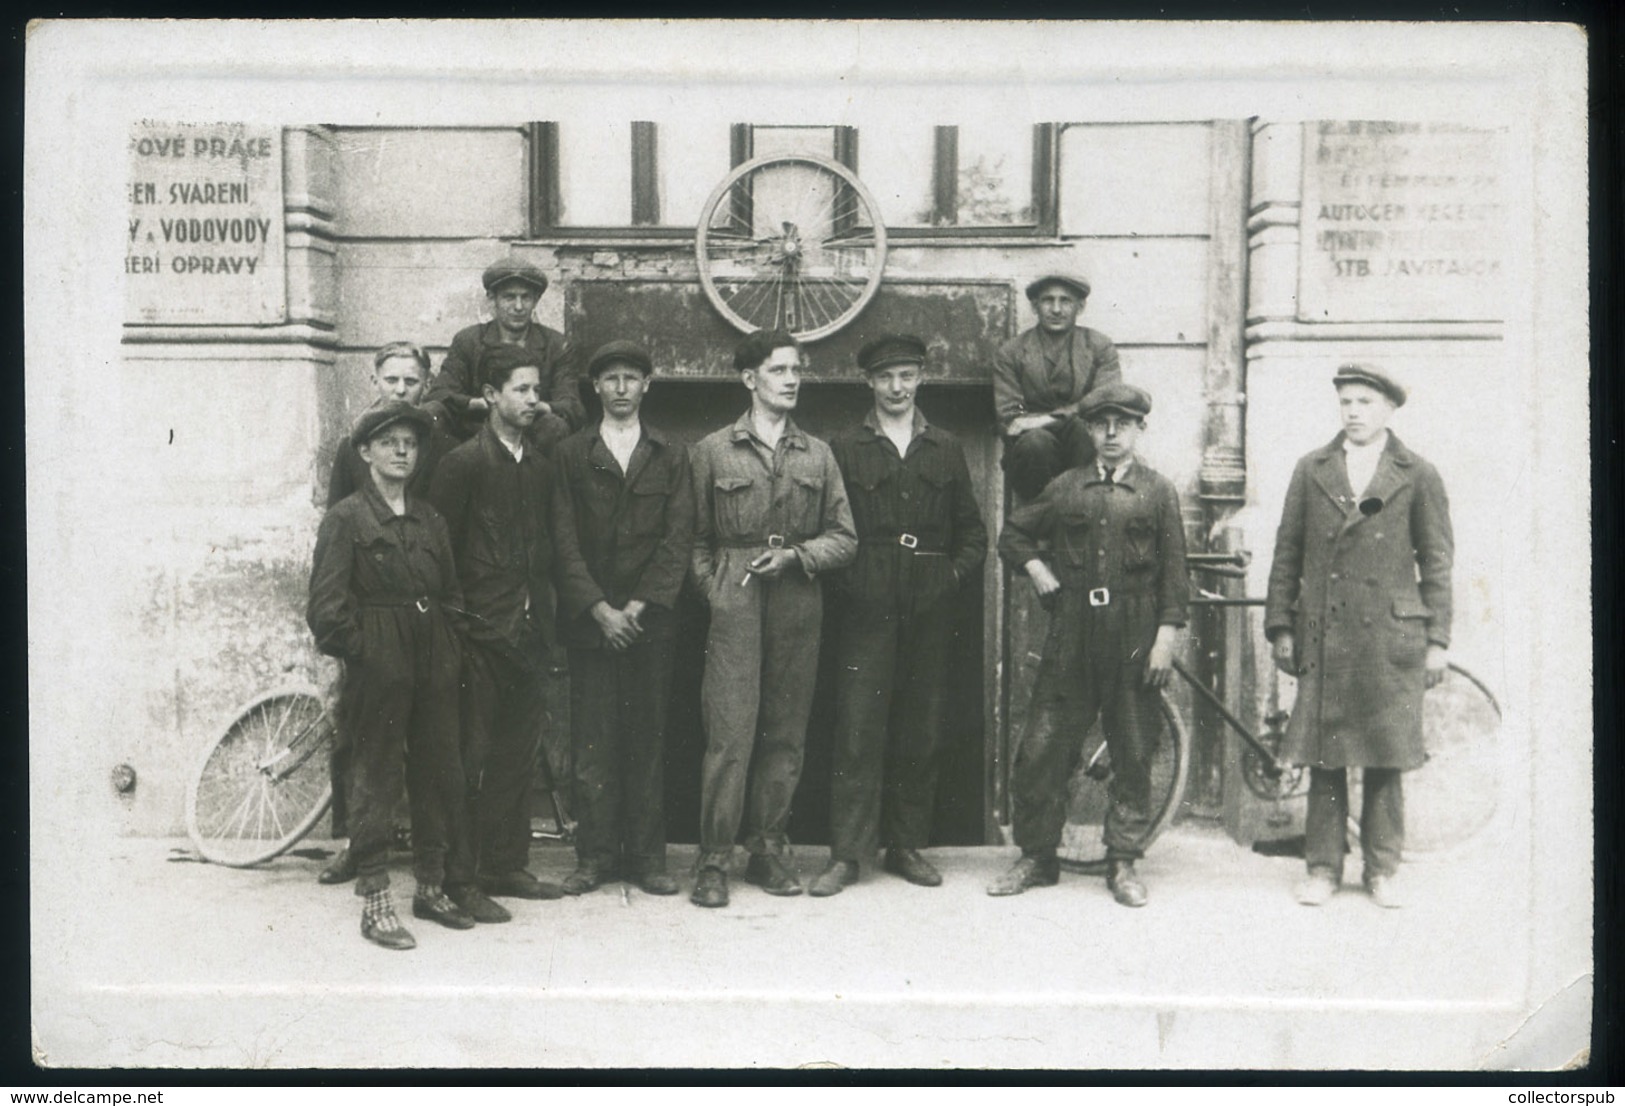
(1099, 597)
(775, 541)
(422, 605)
(908, 541)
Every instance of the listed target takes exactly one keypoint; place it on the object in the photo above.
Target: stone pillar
(220, 365)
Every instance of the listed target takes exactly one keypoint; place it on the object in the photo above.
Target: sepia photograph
(774, 544)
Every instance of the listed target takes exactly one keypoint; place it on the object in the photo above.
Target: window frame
(544, 196)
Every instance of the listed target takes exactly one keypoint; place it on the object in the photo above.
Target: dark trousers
(1039, 456)
(1382, 820)
(617, 743)
(399, 706)
(338, 769)
(888, 729)
(503, 704)
(1078, 680)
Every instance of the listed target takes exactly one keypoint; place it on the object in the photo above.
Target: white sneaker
(1315, 889)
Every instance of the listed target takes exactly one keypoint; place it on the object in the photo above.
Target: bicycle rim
(1081, 847)
(264, 782)
(792, 242)
(1456, 794)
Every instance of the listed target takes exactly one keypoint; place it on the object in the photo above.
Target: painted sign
(205, 225)
(1402, 222)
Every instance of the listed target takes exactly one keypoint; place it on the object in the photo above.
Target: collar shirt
(916, 425)
(920, 532)
(516, 450)
(1362, 462)
(620, 534)
(1118, 473)
(746, 494)
(621, 442)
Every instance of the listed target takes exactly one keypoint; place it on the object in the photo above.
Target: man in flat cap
(512, 287)
(385, 599)
(1039, 378)
(1105, 548)
(623, 531)
(1358, 609)
(495, 491)
(920, 539)
(771, 518)
(400, 373)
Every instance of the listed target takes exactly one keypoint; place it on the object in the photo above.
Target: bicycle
(1455, 715)
(263, 784)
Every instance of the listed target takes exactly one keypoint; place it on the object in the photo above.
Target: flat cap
(1074, 284)
(623, 352)
(1116, 397)
(891, 349)
(1372, 377)
(375, 420)
(514, 268)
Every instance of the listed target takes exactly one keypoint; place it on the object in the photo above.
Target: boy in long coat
(1358, 610)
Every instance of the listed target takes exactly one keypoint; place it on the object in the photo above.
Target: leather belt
(422, 604)
(907, 541)
(772, 541)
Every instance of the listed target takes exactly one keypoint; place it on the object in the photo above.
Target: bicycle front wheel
(1457, 793)
(264, 782)
(790, 242)
(1091, 786)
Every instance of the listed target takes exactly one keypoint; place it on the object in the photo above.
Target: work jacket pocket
(807, 508)
(1408, 643)
(646, 505)
(936, 485)
(1139, 544)
(733, 509)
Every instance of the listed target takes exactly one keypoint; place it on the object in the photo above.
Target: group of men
(597, 526)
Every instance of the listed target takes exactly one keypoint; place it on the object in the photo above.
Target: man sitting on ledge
(1039, 378)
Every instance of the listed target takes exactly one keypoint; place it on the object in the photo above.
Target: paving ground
(190, 964)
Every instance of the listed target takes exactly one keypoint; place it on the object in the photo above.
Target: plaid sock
(379, 910)
(429, 892)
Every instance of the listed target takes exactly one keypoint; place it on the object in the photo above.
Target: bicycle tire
(775, 258)
(1081, 849)
(264, 782)
(1460, 764)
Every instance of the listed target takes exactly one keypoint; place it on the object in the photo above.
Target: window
(645, 178)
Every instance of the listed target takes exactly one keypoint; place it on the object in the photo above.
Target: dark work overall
(919, 536)
(383, 598)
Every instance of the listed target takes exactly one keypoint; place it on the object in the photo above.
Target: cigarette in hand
(759, 562)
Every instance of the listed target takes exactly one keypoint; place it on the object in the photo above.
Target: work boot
(431, 904)
(913, 867)
(477, 905)
(341, 869)
(589, 875)
(770, 874)
(710, 887)
(380, 925)
(834, 879)
(1124, 885)
(1029, 871)
(653, 879)
(519, 884)
(1316, 888)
